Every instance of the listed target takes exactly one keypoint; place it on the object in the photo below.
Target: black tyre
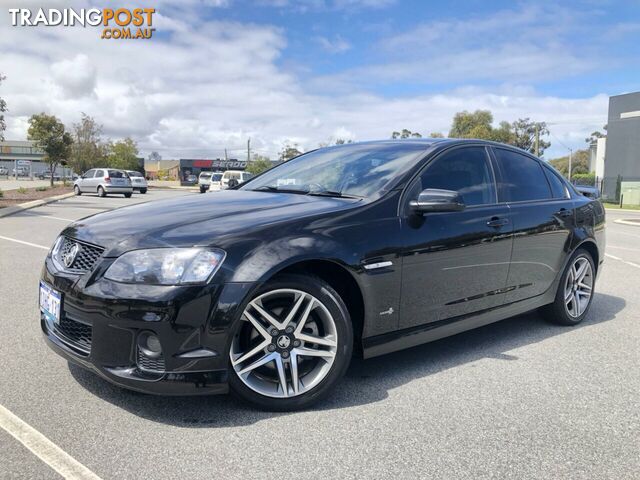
(101, 192)
(575, 291)
(202, 190)
(127, 195)
(143, 190)
(76, 190)
(292, 344)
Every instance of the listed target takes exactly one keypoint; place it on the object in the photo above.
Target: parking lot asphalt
(517, 399)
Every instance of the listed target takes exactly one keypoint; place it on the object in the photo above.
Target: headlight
(166, 266)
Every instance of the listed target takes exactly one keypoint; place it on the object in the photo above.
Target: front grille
(150, 364)
(77, 335)
(85, 259)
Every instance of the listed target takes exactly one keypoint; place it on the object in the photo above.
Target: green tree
(479, 124)
(88, 150)
(337, 141)
(49, 135)
(524, 135)
(3, 108)
(436, 135)
(289, 151)
(123, 154)
(259, 164)
(405, 134)
(472, 124)
(595, 136)
(579, 163)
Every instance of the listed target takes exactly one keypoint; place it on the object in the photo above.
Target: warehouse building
(617, 163)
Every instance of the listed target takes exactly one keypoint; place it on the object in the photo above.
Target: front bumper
(192, 323)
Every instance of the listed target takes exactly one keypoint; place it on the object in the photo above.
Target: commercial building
(617, 159)
(23, 156)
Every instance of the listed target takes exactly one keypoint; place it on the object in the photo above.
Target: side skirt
(410, 337)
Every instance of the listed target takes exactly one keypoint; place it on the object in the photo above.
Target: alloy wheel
(286, 344)
(578, 287)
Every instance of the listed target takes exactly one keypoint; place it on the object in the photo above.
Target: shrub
(22, 190)
(1, 193)
(584, 179)
(42, 189)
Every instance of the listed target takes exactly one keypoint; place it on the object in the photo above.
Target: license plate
(50, 302)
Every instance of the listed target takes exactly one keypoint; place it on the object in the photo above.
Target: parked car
(4, 171)
(103, 181)
(236, 177)
(46, 175)
(138, 182)
(269, 289)
(22, 172)
(591, 192)
(209, 181)
(191, 179)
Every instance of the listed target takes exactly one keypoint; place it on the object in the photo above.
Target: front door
(455, 263)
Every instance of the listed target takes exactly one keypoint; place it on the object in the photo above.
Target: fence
(621, 190)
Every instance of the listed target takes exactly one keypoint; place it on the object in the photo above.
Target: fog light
(149, 345)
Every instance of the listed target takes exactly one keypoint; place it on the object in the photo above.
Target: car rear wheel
(127, 195)
(143, 190)
(76, 190)
(101, 192)
(292, 344)
(575, 291)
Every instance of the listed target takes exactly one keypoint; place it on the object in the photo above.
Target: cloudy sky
(220, 71)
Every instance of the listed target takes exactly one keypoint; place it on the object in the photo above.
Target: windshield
(205, 175)
(216, 177)
(134, 174)
(116, 174)
(360, 170)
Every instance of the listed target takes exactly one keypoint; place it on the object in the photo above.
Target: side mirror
(436, 200)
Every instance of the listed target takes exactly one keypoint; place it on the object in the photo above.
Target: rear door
(455, 263)
(543, 219)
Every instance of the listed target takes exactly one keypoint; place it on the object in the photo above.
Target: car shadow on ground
(367, 381)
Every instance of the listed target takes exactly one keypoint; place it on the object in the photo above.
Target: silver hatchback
(103, 181)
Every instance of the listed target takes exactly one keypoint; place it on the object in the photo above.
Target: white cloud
(76, 76)
(334, 45)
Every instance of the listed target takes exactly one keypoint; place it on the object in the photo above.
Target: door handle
(563, 212)
(497, 222)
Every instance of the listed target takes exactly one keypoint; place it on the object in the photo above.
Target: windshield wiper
(332, 193)
(273, 188)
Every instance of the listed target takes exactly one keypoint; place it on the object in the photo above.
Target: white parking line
(24, 243)
(43, 448)
(613, 257)
(50, 217)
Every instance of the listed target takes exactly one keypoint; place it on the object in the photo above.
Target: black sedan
(268, 289)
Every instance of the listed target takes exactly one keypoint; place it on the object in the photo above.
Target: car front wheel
(76, 190)
(292, 344)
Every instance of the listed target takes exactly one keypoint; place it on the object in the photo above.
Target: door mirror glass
(437, 200)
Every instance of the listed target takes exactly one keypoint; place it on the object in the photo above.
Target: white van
(238, 175)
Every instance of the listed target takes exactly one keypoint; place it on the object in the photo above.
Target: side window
(558, 188)
(464, 170)
(89, 174)
(99, 173)
(522, 177)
